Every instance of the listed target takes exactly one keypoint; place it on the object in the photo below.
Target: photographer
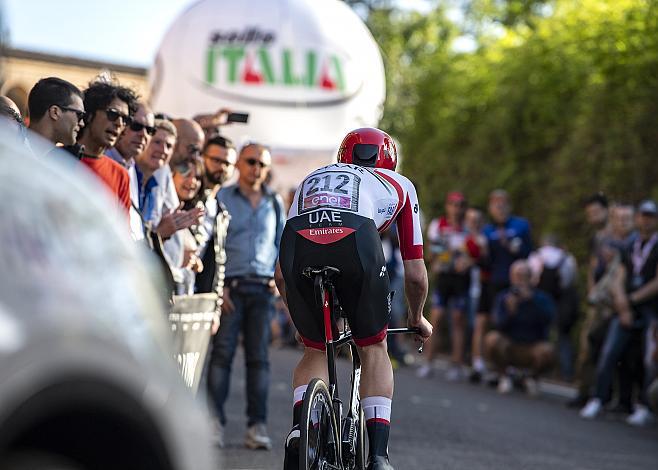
(522, 317)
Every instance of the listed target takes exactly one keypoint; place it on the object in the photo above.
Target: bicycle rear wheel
(318, 445)
(361, 445)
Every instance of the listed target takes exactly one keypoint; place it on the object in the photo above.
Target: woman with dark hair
(188, 177)
(183, 247)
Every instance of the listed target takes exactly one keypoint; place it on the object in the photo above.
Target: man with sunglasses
(108, 111)
(252, 245)
(219, 157)
(135, 137)
(189, 142)
(133, 141)
(56, 110)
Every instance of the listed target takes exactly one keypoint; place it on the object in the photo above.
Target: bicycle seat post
(331, 303)
(325, 294)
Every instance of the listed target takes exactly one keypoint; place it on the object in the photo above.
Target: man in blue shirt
(252, 246)
(522, 317)
(508, 237)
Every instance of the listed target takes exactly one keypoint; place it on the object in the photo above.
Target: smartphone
(238, 117)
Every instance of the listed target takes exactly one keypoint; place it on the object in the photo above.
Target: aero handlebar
(415, 330)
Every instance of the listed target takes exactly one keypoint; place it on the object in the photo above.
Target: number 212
(313, 183)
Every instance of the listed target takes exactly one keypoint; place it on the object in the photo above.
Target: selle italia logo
(248, 57)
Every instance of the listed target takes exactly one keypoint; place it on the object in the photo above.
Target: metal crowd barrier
(191, 322)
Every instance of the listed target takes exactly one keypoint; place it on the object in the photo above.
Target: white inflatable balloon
(306, 71)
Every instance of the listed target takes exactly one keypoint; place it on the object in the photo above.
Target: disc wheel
(318, 431)
(361, 444)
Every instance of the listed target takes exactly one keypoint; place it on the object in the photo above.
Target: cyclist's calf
(313, 364)
(376, 371)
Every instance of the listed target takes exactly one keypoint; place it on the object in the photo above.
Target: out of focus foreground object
(87, 379)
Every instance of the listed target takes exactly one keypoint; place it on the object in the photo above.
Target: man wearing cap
(452, 254)
(635, 298)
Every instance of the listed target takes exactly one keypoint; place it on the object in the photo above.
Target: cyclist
(334, 220)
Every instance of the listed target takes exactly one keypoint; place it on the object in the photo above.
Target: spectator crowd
(168, 177)
(515, 310)
(510, 312)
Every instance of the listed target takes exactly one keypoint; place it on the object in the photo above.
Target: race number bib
(333, 189)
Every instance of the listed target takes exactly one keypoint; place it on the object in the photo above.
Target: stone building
(21, 69)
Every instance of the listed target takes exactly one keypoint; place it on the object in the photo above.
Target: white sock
(478, 364)
(378, 408)
(298, 394)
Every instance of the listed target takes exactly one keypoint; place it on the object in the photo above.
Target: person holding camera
(522, 317)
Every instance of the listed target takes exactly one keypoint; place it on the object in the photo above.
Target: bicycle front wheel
(318, 444)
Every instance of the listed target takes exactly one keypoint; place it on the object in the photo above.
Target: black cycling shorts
(362, 287)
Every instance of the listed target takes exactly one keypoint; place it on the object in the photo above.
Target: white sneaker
(257, 437)
(640, 417)
(424, 371)
(592, 409)
(531, 386)
(504, 384)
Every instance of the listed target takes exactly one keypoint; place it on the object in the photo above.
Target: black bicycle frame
(326, 295)
(330, 306)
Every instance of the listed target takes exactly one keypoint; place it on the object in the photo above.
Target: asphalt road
(444, 426)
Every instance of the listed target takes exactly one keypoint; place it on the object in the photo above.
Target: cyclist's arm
(415, 273)
(280, 282)
(415, 288)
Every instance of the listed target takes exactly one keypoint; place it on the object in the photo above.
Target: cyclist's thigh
(297, 253)
(299, 290)
(367, 302)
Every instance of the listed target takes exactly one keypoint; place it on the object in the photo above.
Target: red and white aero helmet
(368, 147)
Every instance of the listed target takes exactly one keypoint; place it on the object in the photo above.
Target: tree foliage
(555, 106)
(505, 12)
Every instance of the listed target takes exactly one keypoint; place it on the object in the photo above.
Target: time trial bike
(329, 437)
